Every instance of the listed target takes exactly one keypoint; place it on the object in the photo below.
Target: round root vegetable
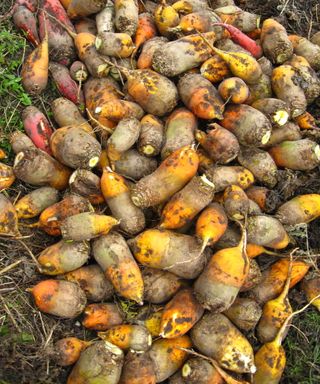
(36, 167)
(92, 281)
(235, 16)
(159, 286)
(254, 276)
(276, 110)
(200, 96)
(199, 371)
(260, 90)
(114, 44)
(254, 208)
(101, 317)
(151, 136)
(288, 132)
(172, 174)
(180, 314)
(307, 49)
(311, 288)
(117, 195)
(219, 283)
(300, 155)
(165, 17)
(250, 126)
(59, 298)
(224, 176)
(138, 369)
(114, 257)
(51, 218)
(126, 16)
(146, 30)
(7, 176)
(67, 350)
(126, 336)
(20, 142)
(215, 69)
(74, 147)
(275, 42)
(274, 278)
(215, 336)
(116, 110)
(167, 357)
(187, 203)
(235, 202)
(100, 362)
(234, 90)
(78, 71)
(8, 217)
(148, 49)
(163, 249)
(86, 184)
(80, 8)
(267, 199)
(105, 18)
(179, 131)
(63, 257)
(24, 19)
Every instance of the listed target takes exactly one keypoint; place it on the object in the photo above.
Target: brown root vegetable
(86, 25)
(151, 136)
(315, 39)
(235, 16)
(102, 316)
(267, 199)
(215, 336)
(266, 66)
(262, 89)
(311, 288)
(20, 142)
(126, 16)
(59, 298)
(176, 378)
(229, 46)
(235, 202)
(7, 176)
(78, 71)
(86, 184)
(215, 69)
(254, 276)
(276, 110)
(80, 8)
(148, 50)
(224, 176)
(8, 217)
(67, 350)
(199, 371)
(288, 132)
(113, 255)
(307, 49)
(234, 90)
(138, 369)
(114, 44)
(160, 286)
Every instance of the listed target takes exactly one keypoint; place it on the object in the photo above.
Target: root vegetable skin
(20, 142)
(224, 176)
(304, 47)
(276, 110)
(7, 176)
(267, 199)
(254, 276)
(151, 136)
(68, 350)
(311, 288)
(199, 371)
(215, 69)
(288, 132)
(8, 217)
(80, 8)
(101, 317)
(165, 17)
(245, 21)
(24, 19)
(146, 30)
(148, 49)
(234, 90)
(138, 369)
(86, 25)
(116, 110)
(86, 184)
(105, 18)
(235, 202)
(126, 16)
(114, 44)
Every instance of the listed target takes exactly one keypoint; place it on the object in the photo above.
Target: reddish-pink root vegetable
(24, 19)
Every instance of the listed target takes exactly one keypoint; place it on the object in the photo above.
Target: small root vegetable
(7, 176)
(175, 252)
(24, 19)
(167, 356)
(224, 176)
(146, 30)
(8, 217)
(288, 132)
(100, 362)
(151, 136)
(235, 16)
(199, 371)
(86, 184)
(101, 317)
(301, 155)
(59, 298)
(148, 50)
(267, 199)
(235, 202)
(105, 18)
(311, 288)
(92, 281)
(37, 127)
(254, 276)
(260, 90)
(305, 48)
(138, 369)
(116, 110)
(126, 16)
(114, 44)
(113, 255)
(215, 336)
(165, 17)
(306, 121)
(67, 350)
(80, 8)
(215, 69)
(276, 110)
(234, 90)
(78, 71)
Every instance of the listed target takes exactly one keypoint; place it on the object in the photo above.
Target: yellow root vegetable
(8, 217)
(7, 176)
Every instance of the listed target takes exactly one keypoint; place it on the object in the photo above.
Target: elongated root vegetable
(199, 371)
(151, 136)
(305, 48)
(67, 351)
(101, 361)
(180, 254)
(101, 317)
(215, 69)
(235, 202)
(148, 50)
(80, 8)
(126, 16)
(234, 90)
(92, 281)
(86, 184)
(126, 336)
(24, 19)
(7, 176)
(267, 199)
(235, 16)
(215, 336)
(113, 255)
(167, 357)
(37, 128)
(8, 217)
(59, 298)
(114, 44)
(223, 176)
(138, 369)
(36, 167)
(117, 196)
(311, 287)
(146, 30)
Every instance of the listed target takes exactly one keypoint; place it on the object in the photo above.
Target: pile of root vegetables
(158, 181)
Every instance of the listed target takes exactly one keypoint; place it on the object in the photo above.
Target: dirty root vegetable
(117, 195)
(223, 176)
(260, 90)
(199, 371)
(267, 199)
(59, 298)
(306, 121)
(24, 19)
(104, 19)
(146, 30)
(78, 71)
(175, 252)
(305, 48)
(102, 316)
(148, 50)
(235, 16)
(126, 16)
(234, 90)
(215, 69)
(67, 350)
(100, 362)
(114, 44)
(166, 356)
(189, 6)
(151, 136)
(276, 110)
(235, 202)
(254, 276)
(8, 217)
(86, 184)
(19, 142)
(116, 110)
(80, 8)
(7, 176)
(311, 288)
(200, 21)
(288, 132)
(215, 336)
(85, 25)
(113, 255)
(165, 17)
(138, 369)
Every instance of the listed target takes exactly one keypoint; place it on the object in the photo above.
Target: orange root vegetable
(235, 202)
(51, 218)
(165, 17)
(67, 351)
(306, 121)
(167, 356)
(311, 288)
(234, 90)
(160, 286)
(36, 167)
(126, 336)
(126, 16)
(221, 145)
(92, 281)
(105, 18)
(59, 298)
(138, 369)
(80, 8)
(187, 203)
(276, 110)
(172, 174)
(305, 48)
(287, 89)
(223, 176)
(235, 16)
(274, 278)
(63, 257)
(86, 25)
(32, 204)
(74, 147)
(8, 217)
(203, 21)
(25, 20)
(101, 317)
(116, 110)
(254, 276)
(114, 44)
(179, 131)
(101, 361)
(288, 132)
(86, 184)
(189, 6)
(244, 313)
(215, 336)
(2, 154)
(118, 198)
(146, 30)
(300, 155)
(151, 136)
(204, 160)
(37, 127)
(199, 371)
(78, 71)
(113, 255)
(215, 69)
(148, 49)
(219, 283)
(7, 176)
(201, 97)
(260, 90)
(175, 252)
(267, 199)
(135, 166)
(254, 250)
(180, 314)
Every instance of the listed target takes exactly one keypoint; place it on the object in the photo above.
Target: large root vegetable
(20, 142)
(215, 69)
(24, 19)
(234, 90)
(101, 317)
(288, 132)
(114, 44)
(236, 203)
(230, 14)
(148, 50)
(276, 110)
(307, 49)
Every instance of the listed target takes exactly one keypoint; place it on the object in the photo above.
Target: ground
(26, 335)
